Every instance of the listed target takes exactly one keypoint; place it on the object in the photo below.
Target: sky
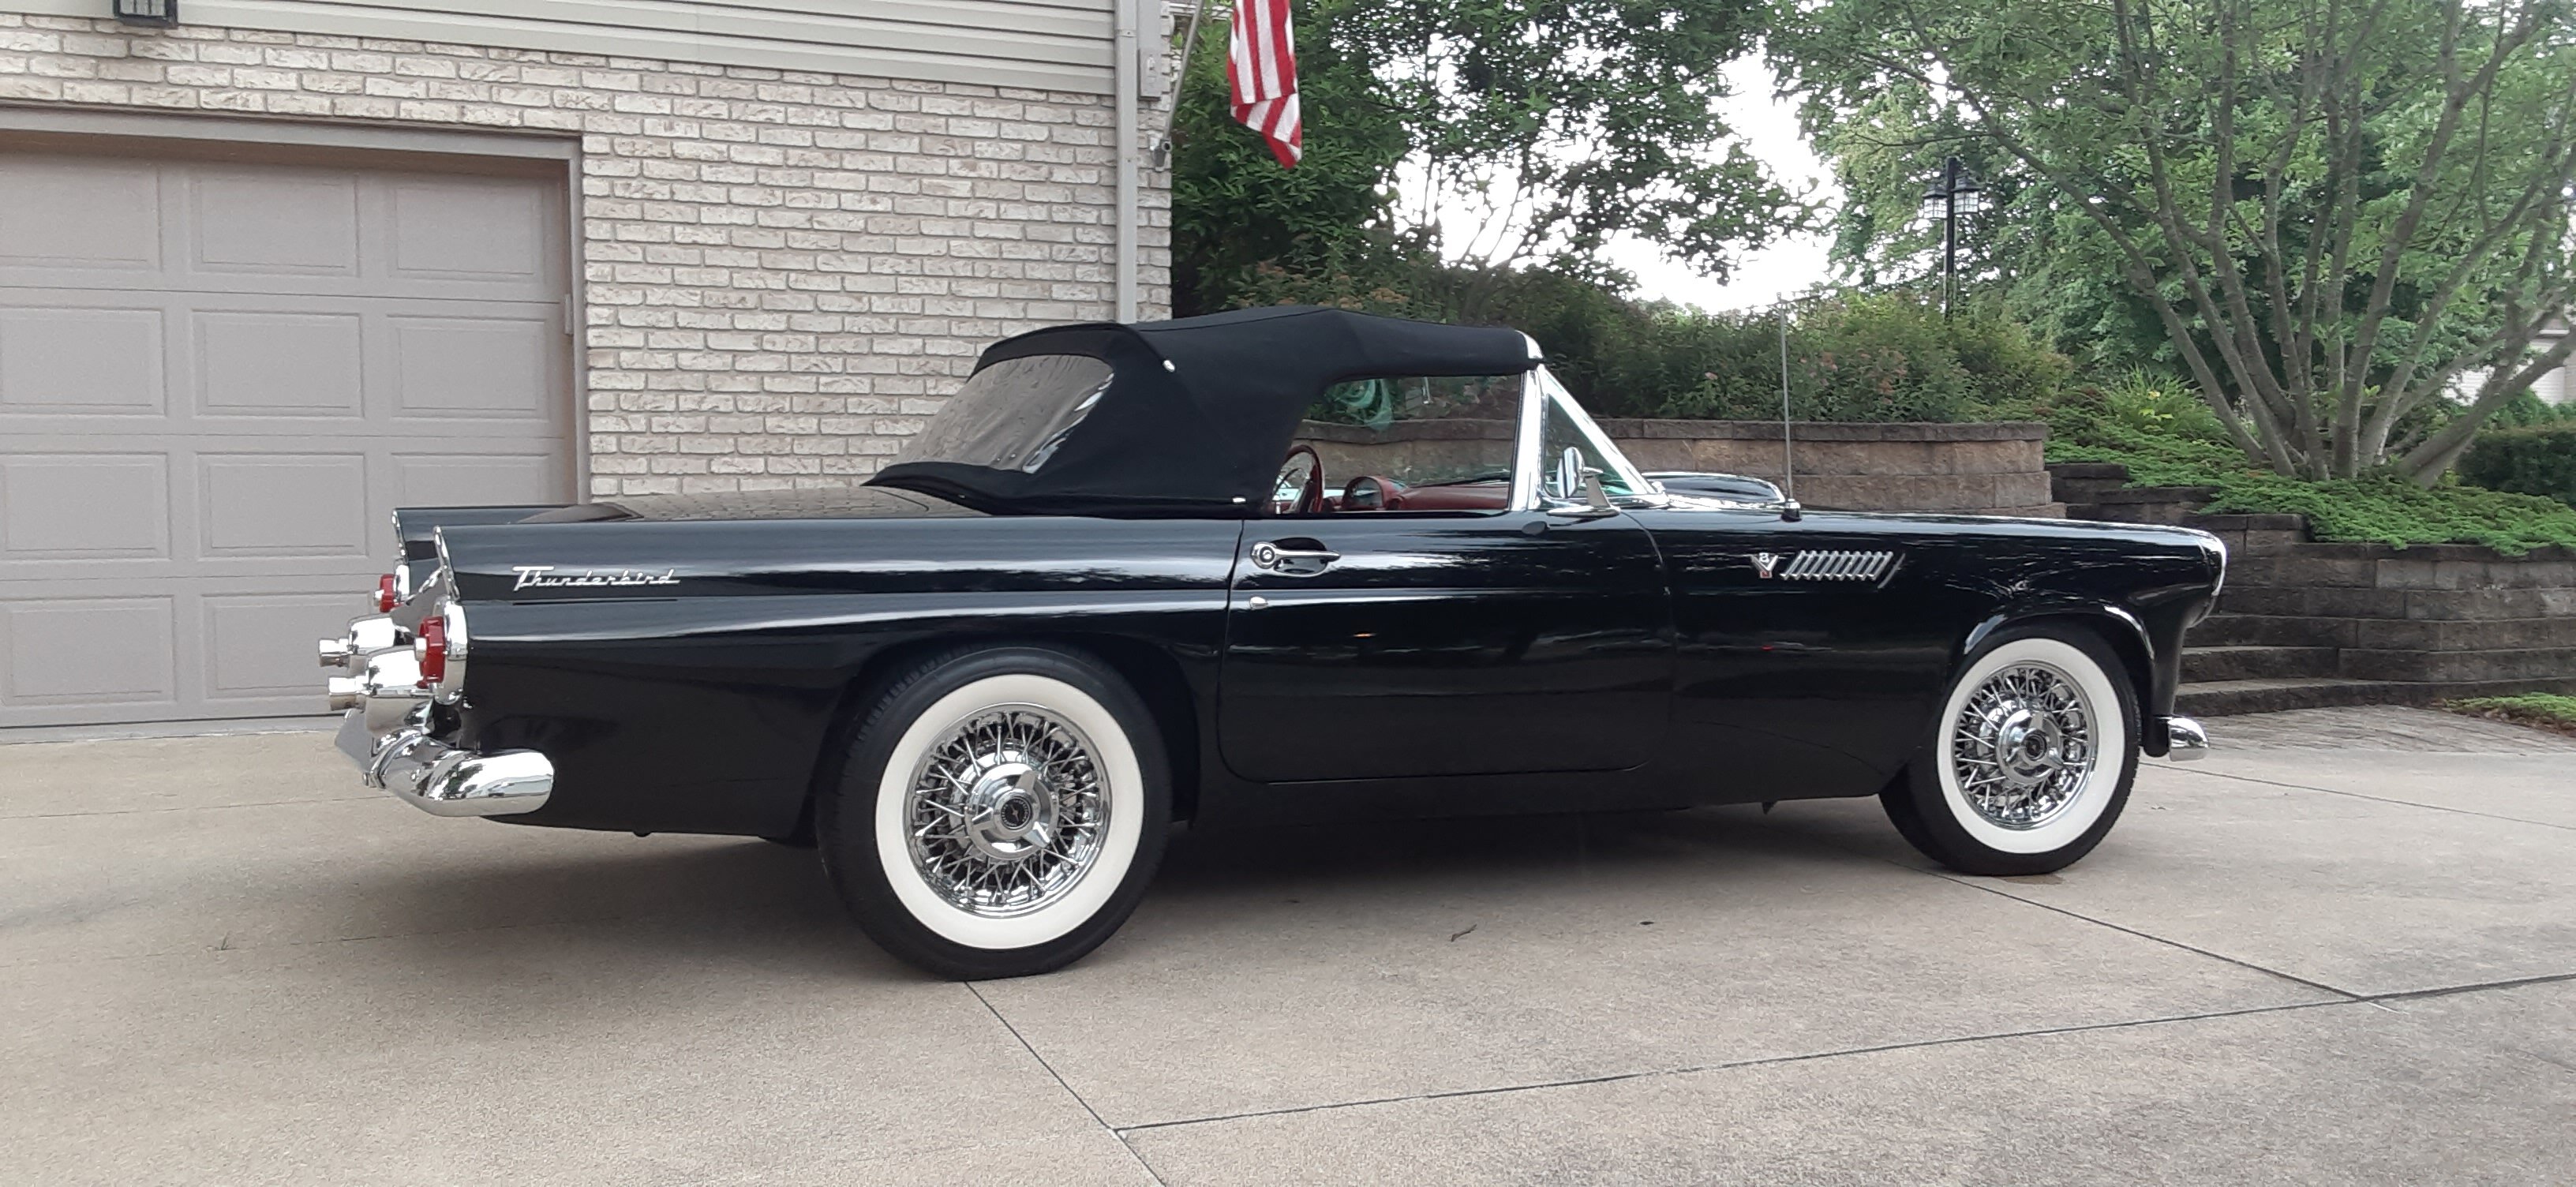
(1788, 265)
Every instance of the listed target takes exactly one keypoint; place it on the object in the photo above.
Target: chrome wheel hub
(2022, 748)
(1006, 811)
(1010, 815)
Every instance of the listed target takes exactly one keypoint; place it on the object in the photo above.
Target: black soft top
(1200, 410)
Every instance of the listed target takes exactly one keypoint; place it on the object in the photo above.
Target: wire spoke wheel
(1006, 811)
(2023, 746)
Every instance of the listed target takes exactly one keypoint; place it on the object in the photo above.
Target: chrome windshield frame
(1525, 459)
(1537, 391)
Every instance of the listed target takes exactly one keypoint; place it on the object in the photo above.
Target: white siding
(2555, 387)
(1060, 45)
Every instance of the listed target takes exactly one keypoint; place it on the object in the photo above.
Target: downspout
(1127, 74)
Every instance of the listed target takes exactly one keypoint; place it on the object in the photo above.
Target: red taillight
(432, 651)
(386, 598)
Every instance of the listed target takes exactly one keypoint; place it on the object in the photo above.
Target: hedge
(2540, 460)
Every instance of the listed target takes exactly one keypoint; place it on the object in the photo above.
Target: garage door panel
(482, 229)
(488, 366)
(241, 631)
(216, 380)
(289, 222)
(76, 214)
(94, 651)
(279, 362)
(74, 507)
(95, 360)
(253, 504)
(465, 479)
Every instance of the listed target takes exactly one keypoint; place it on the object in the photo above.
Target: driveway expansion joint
(1737, 1064)
(2377, 799)
(1058, 1077)
(2346, 999)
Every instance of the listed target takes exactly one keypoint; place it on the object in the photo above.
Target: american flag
(1261, 66)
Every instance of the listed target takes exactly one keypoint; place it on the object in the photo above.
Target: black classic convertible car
(1278, 563)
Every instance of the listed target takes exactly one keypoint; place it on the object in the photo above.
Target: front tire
(2030, 761)
(999, 813)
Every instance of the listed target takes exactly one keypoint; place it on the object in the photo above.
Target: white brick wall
(783, 272)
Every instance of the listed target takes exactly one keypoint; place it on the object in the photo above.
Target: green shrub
(2390, 510)
(2526, 409)
(2157, 440)
(1871, 358)
(1860, 357)
(2540, 460)
(2151, 402)
(2547, 710)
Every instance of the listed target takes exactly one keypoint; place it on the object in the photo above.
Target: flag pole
(1161, 153)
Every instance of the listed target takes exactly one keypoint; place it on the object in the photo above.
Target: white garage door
(217, 378)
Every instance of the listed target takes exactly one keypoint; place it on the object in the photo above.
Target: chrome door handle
(1267, 555)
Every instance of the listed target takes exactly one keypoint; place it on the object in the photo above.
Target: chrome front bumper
(386, 732)
(2185, 740)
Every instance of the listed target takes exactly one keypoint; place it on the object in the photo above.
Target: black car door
(1367, 646)
(1810, 651)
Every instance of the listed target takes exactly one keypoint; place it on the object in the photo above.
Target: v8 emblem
(1764, 563)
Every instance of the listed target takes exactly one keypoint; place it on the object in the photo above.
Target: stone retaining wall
(1976, 469)
(1973, 469)
(2443, 613)
(2305, 622)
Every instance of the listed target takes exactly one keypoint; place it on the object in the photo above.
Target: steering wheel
(1369, 492)
(1309, 499)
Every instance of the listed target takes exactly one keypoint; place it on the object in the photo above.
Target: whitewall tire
(2030, 757)
(999, 813)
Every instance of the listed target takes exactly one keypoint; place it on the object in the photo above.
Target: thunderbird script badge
(544, 577)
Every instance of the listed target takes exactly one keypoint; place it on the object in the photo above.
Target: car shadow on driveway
(1605, 845)
(772, 909)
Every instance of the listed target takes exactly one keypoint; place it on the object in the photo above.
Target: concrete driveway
(2343, 950)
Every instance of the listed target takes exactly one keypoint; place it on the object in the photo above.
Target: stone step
(2134, 504)
(2425, 606)
(2156, 494)
(2219, 698)
(2494, 664)
(2081, 482)
(2268, 630)
(2255, 662)
(2248, 521)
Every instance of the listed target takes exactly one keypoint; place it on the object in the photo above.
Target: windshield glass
(1014, 414)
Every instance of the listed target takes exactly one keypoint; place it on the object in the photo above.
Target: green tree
(1572, 121)
(2332, 210)
(1240, 223)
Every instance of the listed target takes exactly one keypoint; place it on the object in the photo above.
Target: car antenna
(1788, 460)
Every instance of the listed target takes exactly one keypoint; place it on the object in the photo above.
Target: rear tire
(2030, 760)
(999, 813)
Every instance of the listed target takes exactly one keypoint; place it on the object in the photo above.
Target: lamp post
(1956, 193)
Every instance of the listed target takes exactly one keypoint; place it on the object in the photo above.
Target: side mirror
(1569, 472)
(1572, 476)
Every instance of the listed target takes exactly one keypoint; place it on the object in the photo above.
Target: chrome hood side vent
(1838, 566)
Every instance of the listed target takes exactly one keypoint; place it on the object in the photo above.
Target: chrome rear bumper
(445, 780)
(386, 731)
